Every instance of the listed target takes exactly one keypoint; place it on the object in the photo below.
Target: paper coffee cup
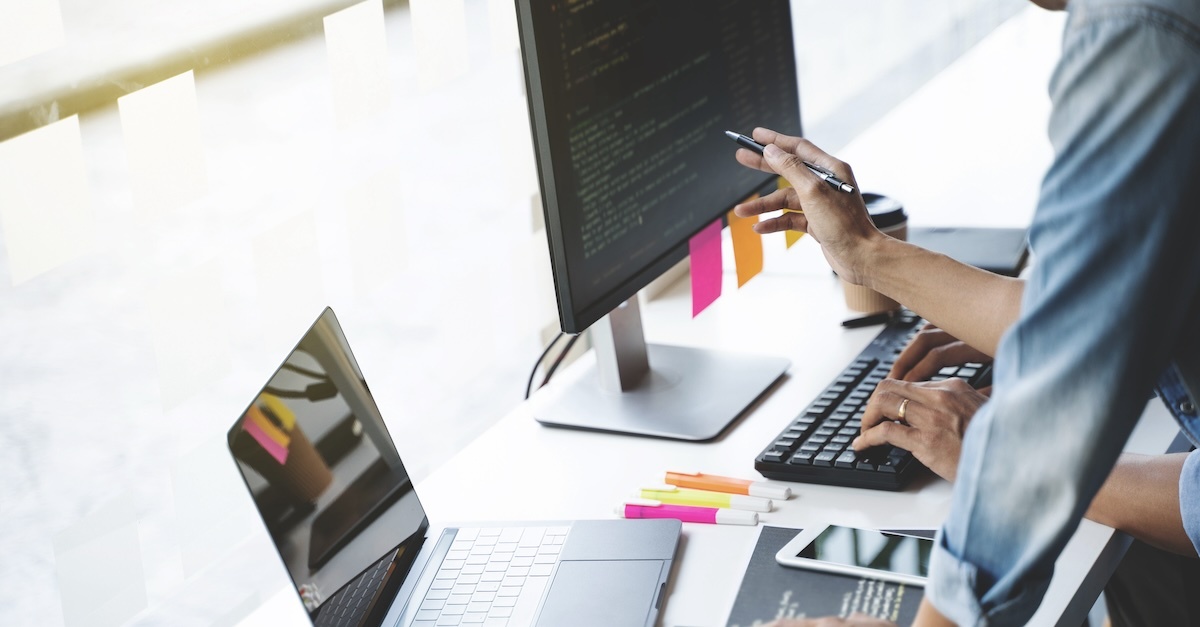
(890, 218)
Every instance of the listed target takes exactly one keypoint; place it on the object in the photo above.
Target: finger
(804, 149)
(956, 353)
(789, 221)
(806, 184)
(884, 404)
(777, 200)
(987, 391)
(892, 433)
(752, 159)
(917, 349)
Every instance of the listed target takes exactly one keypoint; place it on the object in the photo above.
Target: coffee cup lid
(885, 212)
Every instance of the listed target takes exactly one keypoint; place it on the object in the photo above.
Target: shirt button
(1187, 407)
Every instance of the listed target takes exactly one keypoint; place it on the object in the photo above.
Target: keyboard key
(773, 456)
(483, 597)
(449, 620)
(474, 618)
(459, 599)
(948, 370)
(462, 588)
(479, 607)
(541, 570)
(467, 533)
(438, 594)
(472, 569)
(846, 460)
(491, 577)
(521, 561)
(525, 551)
(458, 555)
(489, 532)
(471, 579)
(428, 614)
(451, 610)
(811, 447)
(865, 465)
(518, 571)
(825, 458)
(505, 602)
(802, 458)
(487, 586)
(532, 536)
(508, 591)
(511, 581)
(432, 604)
(500, 612)
(850, 431)
(511, 534)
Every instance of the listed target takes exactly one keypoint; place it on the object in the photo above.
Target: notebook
(332, 490)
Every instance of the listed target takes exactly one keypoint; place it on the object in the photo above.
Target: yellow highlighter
(703, 498)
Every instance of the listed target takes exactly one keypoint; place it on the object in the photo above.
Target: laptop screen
(322, 468)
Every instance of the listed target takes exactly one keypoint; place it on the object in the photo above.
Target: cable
(554, 366)
(529, 384)
(305, 371)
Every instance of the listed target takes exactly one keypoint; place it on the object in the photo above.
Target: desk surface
(520, 470)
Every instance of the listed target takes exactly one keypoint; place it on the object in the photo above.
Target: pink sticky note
(705, 250)
(271, 446)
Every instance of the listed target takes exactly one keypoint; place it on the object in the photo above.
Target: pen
(698, 481)
(646, 508)
(826, 175)
(868, 320)
(703, 498)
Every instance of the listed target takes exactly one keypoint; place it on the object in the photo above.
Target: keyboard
(815, 446)
(492, 577)
(350, 606)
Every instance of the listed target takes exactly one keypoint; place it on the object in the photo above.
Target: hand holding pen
(817, 204)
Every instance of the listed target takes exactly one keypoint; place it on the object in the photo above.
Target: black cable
(305, 371)
(554, 366)
(529, 384)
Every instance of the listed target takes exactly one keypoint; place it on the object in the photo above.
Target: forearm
(929, 616)
(1141, 498)
(936, 286)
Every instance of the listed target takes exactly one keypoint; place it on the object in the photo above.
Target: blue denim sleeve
(1117, 278)
(1189, 497)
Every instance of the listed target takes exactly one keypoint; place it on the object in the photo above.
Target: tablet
(887, 556)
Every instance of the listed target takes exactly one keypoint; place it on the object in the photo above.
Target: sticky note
(191, 337)
(98, 563)
(375, 225)
(161, 126)
(356, 45)
(255, 415)
(747, 246)
(45, 202)
(277, 450)
(281, 411)
(29, 27)
(502, 26)
(705, 251)
(791, 237)
(291, 292)
(440, 37)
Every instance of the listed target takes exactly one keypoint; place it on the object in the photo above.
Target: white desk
(519, 470)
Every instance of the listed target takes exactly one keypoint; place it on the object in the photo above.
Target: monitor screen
(322, 469)
(629, 101)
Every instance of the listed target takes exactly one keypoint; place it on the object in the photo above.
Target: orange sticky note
(791, 237)
(747, 246)
(256, 416)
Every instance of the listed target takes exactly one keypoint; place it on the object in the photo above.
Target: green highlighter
(703, 498)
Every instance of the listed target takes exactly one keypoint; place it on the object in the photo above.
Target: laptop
(332, 490)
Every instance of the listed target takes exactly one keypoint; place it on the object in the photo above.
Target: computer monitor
(628, 103)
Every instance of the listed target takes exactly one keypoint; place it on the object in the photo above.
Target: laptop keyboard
(494, 577)
(351, 604)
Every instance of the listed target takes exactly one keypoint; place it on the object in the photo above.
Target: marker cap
(736, 517)
(770, 490)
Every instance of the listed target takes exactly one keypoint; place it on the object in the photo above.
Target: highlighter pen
(826, 175)
(646, 508)
(698, 481)
(703, 498)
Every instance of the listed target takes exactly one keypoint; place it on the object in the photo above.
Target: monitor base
(688, 394)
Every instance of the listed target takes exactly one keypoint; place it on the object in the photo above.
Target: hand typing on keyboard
(923, 408)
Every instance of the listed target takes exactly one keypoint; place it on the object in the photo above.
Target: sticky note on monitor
(98, 562)
(45, 202)
(705, 251)
(747, 246)
(791, 237)
(356, 45)
(161, 125)
(440, 36)
(191, 340)
(29, 27)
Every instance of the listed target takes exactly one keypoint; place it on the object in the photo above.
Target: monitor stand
(627, 386)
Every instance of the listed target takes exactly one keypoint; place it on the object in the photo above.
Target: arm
(929, 283)
(1141, 498)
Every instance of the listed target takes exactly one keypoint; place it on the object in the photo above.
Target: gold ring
(903, 407)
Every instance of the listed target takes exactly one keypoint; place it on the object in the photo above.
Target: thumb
(789, 166)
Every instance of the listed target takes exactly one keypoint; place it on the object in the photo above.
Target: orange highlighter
(728, 485)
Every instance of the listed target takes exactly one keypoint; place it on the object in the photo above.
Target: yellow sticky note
(747, 246)
(356, 45)
(440, 36)
(161, 125)
(291, 290)
(376, 227)
(279, 437)
(45, 202)
(29, 27)
(281, 411)
(791, 237)
(191, 339)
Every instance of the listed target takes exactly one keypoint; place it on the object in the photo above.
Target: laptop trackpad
(601, 594)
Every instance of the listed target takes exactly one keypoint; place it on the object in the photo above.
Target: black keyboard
(350, 606)
(815, 446)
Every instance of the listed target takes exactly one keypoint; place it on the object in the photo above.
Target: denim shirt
(1112, 303)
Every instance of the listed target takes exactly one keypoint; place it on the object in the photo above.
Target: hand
(936, 416)
(855, 620)
(836, 220)
(931, 350)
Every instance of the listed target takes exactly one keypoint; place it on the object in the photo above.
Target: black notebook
(1002, 251)
(770, 591)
